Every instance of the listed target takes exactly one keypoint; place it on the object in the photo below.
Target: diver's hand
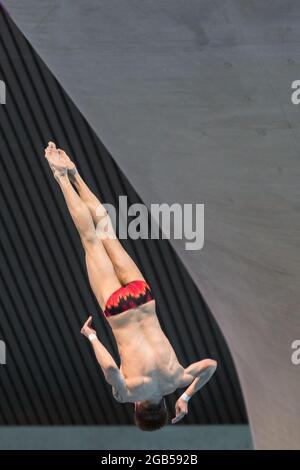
(181, 409)
(117, 395)
(86, 330)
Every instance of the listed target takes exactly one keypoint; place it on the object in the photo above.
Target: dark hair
(151, 416)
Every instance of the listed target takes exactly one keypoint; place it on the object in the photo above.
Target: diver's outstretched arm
(110, 369)
(198, 374)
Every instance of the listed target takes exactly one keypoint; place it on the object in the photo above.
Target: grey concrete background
(193, 101)
(125, 438)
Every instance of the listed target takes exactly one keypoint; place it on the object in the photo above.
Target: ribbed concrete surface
(193, 101)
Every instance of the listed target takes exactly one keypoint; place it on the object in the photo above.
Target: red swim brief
(132, 295)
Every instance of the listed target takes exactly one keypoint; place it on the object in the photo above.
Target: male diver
(149, 367)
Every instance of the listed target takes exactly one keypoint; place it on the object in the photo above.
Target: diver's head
(151, 415)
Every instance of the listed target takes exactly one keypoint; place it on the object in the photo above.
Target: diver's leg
(125, 268)
(101, 272)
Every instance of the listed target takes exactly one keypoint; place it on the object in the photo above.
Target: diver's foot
(57, 165)
(71, 168)
(59, 162)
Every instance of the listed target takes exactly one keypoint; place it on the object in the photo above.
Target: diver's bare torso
(148, 362)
